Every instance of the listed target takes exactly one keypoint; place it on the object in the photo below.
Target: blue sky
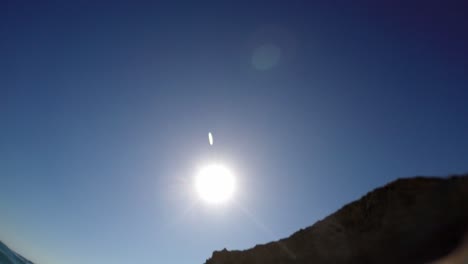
(105, 110)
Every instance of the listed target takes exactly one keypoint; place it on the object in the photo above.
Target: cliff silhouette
(414, 220)
(8, 256)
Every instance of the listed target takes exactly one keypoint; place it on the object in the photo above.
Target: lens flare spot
(266, 57)
(210, 138)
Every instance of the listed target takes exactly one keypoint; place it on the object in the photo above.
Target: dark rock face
(8, 256)
(415, 220)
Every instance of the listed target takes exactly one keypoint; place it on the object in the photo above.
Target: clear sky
(105, 110)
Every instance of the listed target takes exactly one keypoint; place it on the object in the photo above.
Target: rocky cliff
(416, 220)
(8, 256)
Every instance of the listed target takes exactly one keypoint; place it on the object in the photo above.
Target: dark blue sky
(105, 110)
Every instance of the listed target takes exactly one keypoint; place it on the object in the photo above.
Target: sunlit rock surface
(8, 256)
(416, 220)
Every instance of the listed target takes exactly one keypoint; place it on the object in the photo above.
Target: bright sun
(215, 184)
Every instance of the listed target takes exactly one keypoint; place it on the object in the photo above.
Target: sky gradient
(105, 109)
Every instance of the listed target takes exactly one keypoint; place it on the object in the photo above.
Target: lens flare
(210, 138)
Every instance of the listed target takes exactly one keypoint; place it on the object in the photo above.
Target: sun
(215, 184)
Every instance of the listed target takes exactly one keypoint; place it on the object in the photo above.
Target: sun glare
(215, 184)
